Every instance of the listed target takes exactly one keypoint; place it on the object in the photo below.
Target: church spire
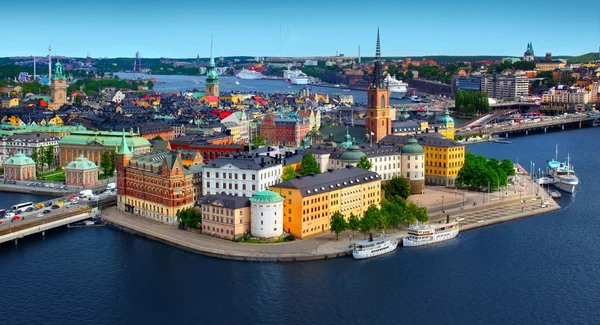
(378, 80)
(123, 149)
(378, 48)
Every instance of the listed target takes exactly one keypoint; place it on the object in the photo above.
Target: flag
(372, 133)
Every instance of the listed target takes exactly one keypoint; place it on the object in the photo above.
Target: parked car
(40, 215)
(48, 204)
(47, 211)
(15, 218)
(29, 209)
(56, 206)
(9, 215)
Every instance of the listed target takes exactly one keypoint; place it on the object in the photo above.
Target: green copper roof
(446, 119)
(348, 139)
(412, 146)
(107, 139)
(19, 159)
(58, 72)
(211, 74)
(352, 154)
(123, 148)
(266, 196)
(81, 163)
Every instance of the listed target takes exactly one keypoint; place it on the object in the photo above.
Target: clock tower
(378, 121)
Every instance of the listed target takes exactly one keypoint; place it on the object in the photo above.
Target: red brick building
(151, 130)
(284, 130)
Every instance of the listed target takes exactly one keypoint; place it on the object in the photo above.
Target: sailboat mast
(556, 158)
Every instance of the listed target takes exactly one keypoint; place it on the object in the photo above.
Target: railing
(524, 126)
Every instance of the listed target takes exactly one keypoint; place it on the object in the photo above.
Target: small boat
(237, 82)
(374, 247)
(86, 223)
(555, 194)
(425, 234)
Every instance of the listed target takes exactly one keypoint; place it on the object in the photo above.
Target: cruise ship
(425, 234)
(249, 75)
(398, 88)
(289, 74)
(564, 175)
(299, 79)
(374, 247)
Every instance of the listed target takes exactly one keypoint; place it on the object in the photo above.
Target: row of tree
(393, 213)
(92, 86)
(43, 156)
(108, 162)
(480, 172)
(507, 65)
(468, 102)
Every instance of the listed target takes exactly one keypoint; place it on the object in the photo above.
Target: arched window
(382, 101)
(372, 101)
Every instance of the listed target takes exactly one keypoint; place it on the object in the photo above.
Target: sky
(183, 28)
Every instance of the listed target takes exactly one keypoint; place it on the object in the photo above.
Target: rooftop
(228, 201)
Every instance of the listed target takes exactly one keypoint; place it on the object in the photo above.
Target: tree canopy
(397, 186)
(337, 224)
(259, 141)
(190, 217)
(364, 163)
(288, 173)
(468, 102)
(309, 165)
(480, 172)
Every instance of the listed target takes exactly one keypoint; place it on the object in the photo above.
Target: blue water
(538, 270)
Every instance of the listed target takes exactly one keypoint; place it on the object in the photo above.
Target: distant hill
(584, 58)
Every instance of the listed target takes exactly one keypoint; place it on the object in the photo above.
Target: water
(538, 270)
(168, 83)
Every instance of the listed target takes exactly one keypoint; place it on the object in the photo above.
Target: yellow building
(443, 159)
(311, 200)
(446, 125)
(235, 130)
(9, 102)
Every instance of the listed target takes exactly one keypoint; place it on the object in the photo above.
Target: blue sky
(182, 28)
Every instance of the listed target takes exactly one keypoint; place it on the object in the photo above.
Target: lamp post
(316, 247)
(443, 211)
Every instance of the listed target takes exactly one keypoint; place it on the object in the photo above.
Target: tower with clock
(378, 121)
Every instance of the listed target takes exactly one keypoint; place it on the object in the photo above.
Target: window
(261, 222)
(407, 174)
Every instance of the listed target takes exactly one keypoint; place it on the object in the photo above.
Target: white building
(117, 97)
(25, 143)
(413, 165)
(241, 175)
(266, 214)
(505, 87)
(241, 119)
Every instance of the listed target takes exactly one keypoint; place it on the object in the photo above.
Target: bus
(19, 208)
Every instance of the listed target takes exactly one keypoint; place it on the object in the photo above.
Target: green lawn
(52, 175)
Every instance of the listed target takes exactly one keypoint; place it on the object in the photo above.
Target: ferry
(374, 247)
(398, 88)
(425, 234)
(299, 79)
(249, 75)
(563, 174)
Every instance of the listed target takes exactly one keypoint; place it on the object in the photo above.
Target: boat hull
(397, 94)
(361, 255)
(569, 188)
(435, 238)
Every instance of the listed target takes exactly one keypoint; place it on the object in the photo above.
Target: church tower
(212, 78)
(378, 123)
(58, 88)
(122, 157)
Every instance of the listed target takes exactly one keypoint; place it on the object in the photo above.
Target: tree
(353, 223)
(415, 213)
(309, 165)
(49, 155)
(158, 137)
(105, 162)
(364, 163)
(150, 85)
(368, 221)
(337, 224)
(78, 100)
(397, 186)
(259, 141)
(36, 155)
(190, 217)
(288, 173)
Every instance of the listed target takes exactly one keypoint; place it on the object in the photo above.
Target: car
(15, 218)
(48, 204)
(47, 211)
(9, 215)
(56, 206)
(51, 185)
(29, 209)
(40, 215)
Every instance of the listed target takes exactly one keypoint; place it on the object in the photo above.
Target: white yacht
(425, 234)
(398, 88)
(563, 174)
(299, 79)
(374, 247)
(249, 74)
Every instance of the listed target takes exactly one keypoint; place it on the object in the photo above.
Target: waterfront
(536, 270)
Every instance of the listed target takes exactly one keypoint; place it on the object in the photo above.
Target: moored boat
(249, 75)
(563, 174)
(374, 247)
(425, 234)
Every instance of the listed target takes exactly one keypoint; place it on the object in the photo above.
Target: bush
(289, 237)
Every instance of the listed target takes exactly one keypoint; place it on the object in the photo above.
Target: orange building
(311, 200)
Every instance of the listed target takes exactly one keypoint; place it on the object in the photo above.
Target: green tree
(415, 213)
(353, 223)
(364, 163)
(36, 156)
(105, 162)
(158, 137)
(367, 223)
(190, 217)
(397, 186)
(259, 141)
(337, 224)
(49, 155)
(78, 100)
(288, 173)
(309, 165)
(150, 85)
(113, 163)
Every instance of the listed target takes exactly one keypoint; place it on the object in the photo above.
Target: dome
(352, 154)
(266, 196)
(412, 146)
(19, 159)
(446, 119)
(81, 163)
(348, 139)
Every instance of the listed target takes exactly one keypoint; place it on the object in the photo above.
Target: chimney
(262, 161)
(448, 218)
(548, 56)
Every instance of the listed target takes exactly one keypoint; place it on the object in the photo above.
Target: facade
(207, 150)
(505, 87)
(413, 165)
(26, 143)
(446, 125)
(284, 130)
(225, 216)
(310, 201)
(241, 175)
(378, 120)
(468, 84)
(19, 168)
(91, 144)
(81, 172)
(151, 130)
(58, 88)
(154, 185)
(267, 214)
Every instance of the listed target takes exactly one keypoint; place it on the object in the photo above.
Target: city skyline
(184, 29)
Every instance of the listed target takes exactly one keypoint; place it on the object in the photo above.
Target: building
(467, 84)
(212, 77)
(240, 174)
(378, 121)
(153, 185)
(208, 151)
(446, 125)
(529, 55)
(58, 88)
(225, 216)
(26, 143)
(266, 214)
(7, 102)
(286, 131)
(151, 130)
(81, 172)
(548, 64)
(19, 168)
(310, 201)
(505, 87)
(91, 144)
(413, 165)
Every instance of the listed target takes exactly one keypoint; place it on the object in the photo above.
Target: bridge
(577, 121)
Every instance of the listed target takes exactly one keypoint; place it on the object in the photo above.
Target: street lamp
(443, 204)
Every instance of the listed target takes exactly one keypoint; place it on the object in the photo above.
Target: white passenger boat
(374, 247)
(397, 88)
(425, 234)
(563, 174)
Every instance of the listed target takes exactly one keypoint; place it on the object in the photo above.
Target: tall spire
(123, 149)
(378, 80)
(378, 48)
(212, 59)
